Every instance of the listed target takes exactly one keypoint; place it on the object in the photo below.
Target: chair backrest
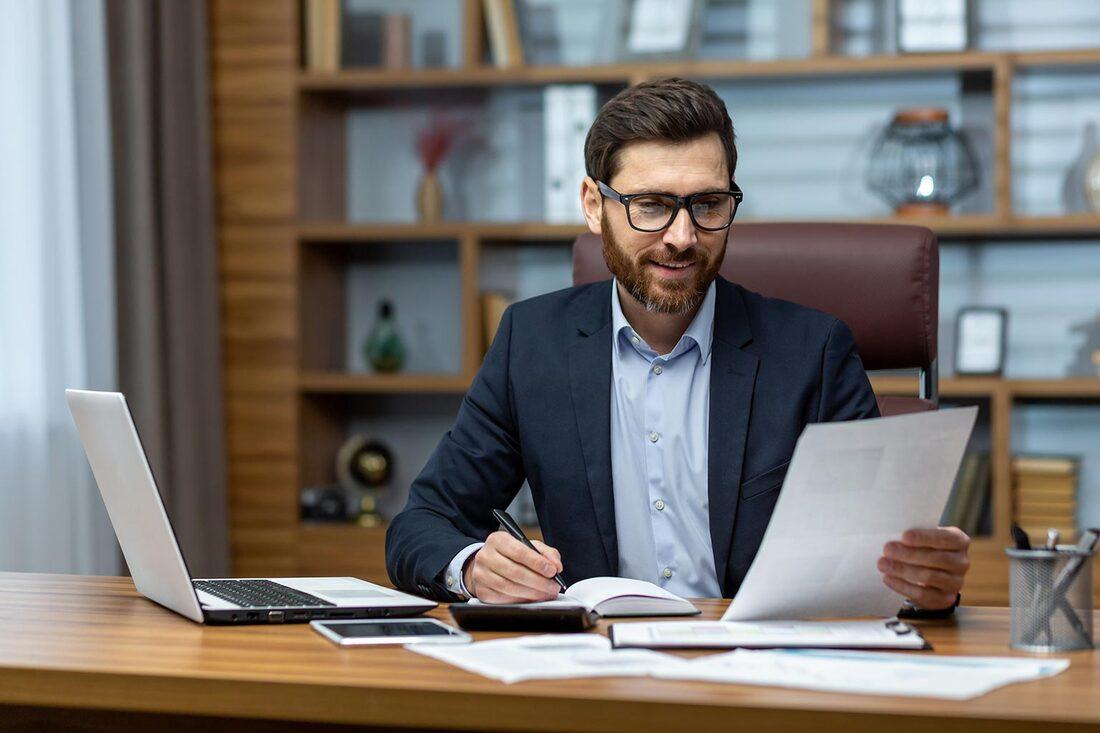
(880, 279)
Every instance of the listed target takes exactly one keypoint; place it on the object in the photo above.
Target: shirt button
(654, 437)
(635, 340)
(667, 573)
(657, 369)
(659, 505)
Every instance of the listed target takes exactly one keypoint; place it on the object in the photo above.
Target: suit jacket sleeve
(846, 392)
(476, 468)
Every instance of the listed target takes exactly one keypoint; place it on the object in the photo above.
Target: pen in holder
(1050, 592)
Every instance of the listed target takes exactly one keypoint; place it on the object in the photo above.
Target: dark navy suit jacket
(540, 409)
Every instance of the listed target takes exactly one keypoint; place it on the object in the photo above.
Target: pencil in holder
(1050, 598)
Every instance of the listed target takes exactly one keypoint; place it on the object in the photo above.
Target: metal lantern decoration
(920, 165)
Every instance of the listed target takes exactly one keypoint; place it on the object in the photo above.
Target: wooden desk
(91, 650)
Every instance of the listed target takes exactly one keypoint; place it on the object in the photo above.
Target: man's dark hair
(673, 110)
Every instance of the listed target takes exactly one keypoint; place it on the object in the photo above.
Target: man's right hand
(507, 571)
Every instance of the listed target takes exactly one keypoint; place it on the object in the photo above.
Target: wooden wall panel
(253, 51)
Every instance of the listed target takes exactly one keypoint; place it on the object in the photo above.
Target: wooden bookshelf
(279, 146)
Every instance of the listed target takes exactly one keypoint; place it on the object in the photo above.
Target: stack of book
(1045, 491)
(968, 506)
(336, 38)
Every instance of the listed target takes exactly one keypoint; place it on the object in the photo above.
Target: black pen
(513, 529)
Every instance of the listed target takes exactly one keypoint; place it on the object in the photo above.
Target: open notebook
(620, 597)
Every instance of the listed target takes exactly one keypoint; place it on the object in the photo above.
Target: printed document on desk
(863, 634)
(548, 656)
(865, 673)
(851, 487)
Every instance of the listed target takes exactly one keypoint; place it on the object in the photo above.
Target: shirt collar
(700, 330)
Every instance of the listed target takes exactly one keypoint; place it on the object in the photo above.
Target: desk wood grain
(92, 643)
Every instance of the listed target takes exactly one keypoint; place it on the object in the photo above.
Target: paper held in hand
(851, 487)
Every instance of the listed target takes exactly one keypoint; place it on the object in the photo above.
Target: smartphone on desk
(374, 632)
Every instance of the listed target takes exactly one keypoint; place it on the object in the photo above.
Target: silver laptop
(158, 569)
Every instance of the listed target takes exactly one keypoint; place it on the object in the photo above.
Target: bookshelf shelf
(1067, 388)
(963, 226)
(319, 382)
(367, 80)
(283, 149)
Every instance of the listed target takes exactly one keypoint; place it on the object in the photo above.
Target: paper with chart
(851, 487)
(865, 673)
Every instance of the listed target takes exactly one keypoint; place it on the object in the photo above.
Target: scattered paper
(550, 656)
(866, 673)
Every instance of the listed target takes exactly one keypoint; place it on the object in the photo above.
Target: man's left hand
(927, 566)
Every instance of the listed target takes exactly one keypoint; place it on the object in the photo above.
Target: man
(654, 415)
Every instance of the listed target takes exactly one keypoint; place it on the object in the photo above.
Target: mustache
(688, 255)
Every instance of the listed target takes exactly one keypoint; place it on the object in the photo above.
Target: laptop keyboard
(259, 594)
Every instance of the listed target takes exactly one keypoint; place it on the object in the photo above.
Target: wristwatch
(910, 611)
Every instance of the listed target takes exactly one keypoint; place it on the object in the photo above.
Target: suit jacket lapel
(590, 387)
(732, 378)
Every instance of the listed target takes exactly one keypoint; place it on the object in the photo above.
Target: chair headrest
(880, 279)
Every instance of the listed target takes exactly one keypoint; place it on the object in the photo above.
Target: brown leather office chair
(883, 280)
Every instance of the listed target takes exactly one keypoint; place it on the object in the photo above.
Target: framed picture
(981, 338)
(926, 26)
(663, 29)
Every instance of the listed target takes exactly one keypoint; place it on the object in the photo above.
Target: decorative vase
(921, 165)
(384, 349)
(1081, 186)
(1092, 183)
(429, 198)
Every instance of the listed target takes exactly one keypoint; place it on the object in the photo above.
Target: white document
(867, 673)
(548, 656)
(876, 634)
(851, 487)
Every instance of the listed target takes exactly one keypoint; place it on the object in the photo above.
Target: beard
(657, 294)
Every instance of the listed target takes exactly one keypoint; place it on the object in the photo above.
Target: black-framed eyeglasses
(710, 211)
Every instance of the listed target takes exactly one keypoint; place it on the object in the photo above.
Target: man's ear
(592, 201)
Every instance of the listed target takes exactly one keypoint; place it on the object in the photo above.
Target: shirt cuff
(453, 577)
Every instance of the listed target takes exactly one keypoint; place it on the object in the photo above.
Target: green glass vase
(384, 349)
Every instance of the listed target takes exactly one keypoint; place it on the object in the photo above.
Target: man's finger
(928, 598)
(940, 538)
(505, 567)
(520, 553)
(549, 553)
(508, 586)
(951, 562)
(919, 575)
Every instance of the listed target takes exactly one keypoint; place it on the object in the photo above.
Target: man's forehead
(694, 165)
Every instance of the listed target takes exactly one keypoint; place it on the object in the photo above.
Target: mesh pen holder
(1050, 597)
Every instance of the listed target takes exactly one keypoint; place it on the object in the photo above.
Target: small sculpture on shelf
(384, 349)
(1086, 362)
(920, 164)
(365, 466)
(1081, 186)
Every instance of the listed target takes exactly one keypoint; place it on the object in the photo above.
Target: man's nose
(681, 234)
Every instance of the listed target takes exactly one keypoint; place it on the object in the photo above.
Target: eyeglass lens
(653, 213)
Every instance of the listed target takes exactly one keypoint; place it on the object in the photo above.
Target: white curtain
(56, 284)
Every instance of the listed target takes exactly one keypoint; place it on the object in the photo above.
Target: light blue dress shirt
(660, 418)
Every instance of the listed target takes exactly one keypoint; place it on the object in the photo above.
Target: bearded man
(653, 415)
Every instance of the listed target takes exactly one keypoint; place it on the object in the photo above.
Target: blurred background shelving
(319, 220)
